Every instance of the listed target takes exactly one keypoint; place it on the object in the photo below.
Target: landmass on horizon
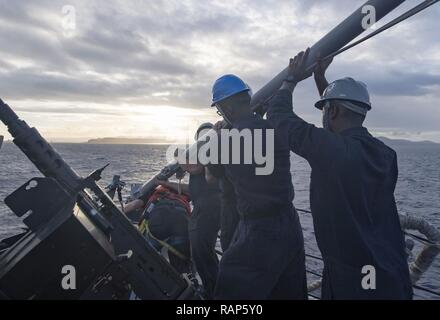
(403, 142)
(119, 140)
(122, 140)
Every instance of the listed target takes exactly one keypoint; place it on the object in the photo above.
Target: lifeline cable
(415, 237)
(426, 290)
(409, 234)
(420, 239)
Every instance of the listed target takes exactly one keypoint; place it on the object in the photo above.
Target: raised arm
(297, 71)
(133, 206)
(314, 144)
(319, 75)
(184, 187)
(280, 106)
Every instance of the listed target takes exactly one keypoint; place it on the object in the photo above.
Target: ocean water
(417, 191)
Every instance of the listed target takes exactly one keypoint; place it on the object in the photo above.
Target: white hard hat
(346, 89)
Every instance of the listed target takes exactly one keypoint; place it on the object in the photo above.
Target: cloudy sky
(145, 68)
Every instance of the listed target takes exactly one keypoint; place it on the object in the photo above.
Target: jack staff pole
(341, 35)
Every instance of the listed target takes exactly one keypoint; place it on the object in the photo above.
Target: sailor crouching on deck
(352, 189)
(265, 260)
(164, 223)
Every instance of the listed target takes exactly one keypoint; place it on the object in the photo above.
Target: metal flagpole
(337, 38)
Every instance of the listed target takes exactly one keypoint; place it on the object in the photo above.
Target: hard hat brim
(224, 98)
(320, 104)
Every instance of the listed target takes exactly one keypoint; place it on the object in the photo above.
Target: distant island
(128, 141)
(120, 140)
(403, 142)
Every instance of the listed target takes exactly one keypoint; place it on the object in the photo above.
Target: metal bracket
(40, 198)
(114, 283)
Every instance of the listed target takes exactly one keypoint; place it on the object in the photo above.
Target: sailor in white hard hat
(352, 188)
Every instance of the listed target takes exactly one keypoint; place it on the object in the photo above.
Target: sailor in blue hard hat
(265, 260)
(226, 88)
(352, 186)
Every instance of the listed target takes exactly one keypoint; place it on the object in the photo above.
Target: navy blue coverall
(229, 214)
(352, 201)
(168, 222)
(203, 227)
(266, 257)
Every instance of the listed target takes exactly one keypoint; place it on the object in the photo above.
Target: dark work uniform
(168, 222)
(266, 258)
(352, 200)
(204, 225)
(229, 214)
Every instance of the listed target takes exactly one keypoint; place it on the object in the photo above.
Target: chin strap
(353, 107)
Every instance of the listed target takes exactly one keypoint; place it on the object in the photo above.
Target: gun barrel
(173, 166)
(38, 150)
(7, 116)
(148, 188)
(149, 274)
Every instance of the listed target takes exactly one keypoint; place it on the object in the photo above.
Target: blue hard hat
(226, 87)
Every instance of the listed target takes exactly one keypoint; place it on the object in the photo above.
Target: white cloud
(144, 55)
